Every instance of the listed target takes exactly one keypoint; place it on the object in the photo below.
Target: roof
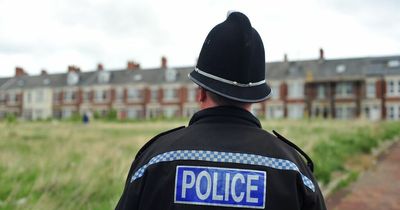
(317, 70)
(334, 69)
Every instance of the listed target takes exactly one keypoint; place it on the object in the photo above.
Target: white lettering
(215, 196)
(250, 188)
(233, 188)
(198, 183)
(186, 185)
(227, 179)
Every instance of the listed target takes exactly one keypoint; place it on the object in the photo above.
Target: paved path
(378, 188)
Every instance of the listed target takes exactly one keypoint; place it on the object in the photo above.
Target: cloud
(53, 34)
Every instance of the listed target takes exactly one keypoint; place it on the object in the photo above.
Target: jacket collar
(225, 112)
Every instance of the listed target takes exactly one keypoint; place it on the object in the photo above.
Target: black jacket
(222, 159)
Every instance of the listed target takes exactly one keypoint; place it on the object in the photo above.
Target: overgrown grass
(70, 166)
(332, 155)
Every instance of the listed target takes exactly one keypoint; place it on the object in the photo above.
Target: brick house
(350, 88)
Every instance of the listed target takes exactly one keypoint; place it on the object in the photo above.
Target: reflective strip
(250, 84)
(223, 157)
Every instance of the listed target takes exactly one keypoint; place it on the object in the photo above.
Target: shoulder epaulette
(151, 141)
(310, 163)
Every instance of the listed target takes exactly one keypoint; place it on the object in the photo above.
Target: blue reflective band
(224, 157)
(198, 185)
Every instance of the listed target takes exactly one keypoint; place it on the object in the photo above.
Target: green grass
(70, 166)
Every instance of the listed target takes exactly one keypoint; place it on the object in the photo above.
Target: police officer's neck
(209, 103)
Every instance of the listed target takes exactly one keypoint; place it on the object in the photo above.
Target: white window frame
(69, 96)
(119, 94)
(154, 94)
(135, 94)
(191, 94)
(39, 98)
(170, 94)
(342, 89)
(371, 90)
(295, 111)
(295, 89)
(321, 91)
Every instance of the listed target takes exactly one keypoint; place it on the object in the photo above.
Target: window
(39, 96)
(344, 89)
(345, 112)
(191, 94)
(12, 97)
(134, 113)
(29, 97)
(101, 95)
(340, 68)
(296, 90)
(391, 87)
(398, 87)
(72, 78)
(295, 111)
(69, 95)
(393, 63)
(103, 77)
(86, 95)
(275, 91)
(170, 75)
(275, 112)
(154, 95)
(56, 97)
(321, 92)
(170, 94)
(371, 90)
(119, 94)
(2, 98)
(391, 112)
(398, 112)
(134, 94)
(170, 112)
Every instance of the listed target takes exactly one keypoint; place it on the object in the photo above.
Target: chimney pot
(100, 67)
(19, 72)
(321, 54)
(43, 72)
(132, 65)
(73, 68)
(285, 58)
(163, 62)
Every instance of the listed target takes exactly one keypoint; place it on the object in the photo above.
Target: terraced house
(349, 88)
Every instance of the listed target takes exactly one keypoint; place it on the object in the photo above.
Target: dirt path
(378, 188)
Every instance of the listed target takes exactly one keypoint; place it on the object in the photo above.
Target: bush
(11, 118)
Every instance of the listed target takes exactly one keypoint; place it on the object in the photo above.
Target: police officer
(223, 159)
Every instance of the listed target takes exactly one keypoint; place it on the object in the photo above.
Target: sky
(52, 34)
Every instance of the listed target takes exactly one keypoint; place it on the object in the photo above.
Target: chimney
(321, 54)
(19, 72)
(100, 67)
(132, 65)
(163, 62)
(43, 72)
(285, 58)
(73, 68)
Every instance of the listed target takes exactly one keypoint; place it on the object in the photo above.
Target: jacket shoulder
(154, 139)
(310, 163)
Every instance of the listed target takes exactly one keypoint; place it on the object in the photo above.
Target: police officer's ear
(201, 94)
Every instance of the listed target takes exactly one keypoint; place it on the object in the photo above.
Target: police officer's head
(231, 64)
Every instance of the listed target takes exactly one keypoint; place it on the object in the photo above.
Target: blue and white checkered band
(224, 157)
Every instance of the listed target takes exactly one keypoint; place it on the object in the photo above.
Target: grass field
(70, 166)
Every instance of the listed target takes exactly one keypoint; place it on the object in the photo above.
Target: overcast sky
(52, 34)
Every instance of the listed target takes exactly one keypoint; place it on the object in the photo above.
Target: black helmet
(232, 61)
